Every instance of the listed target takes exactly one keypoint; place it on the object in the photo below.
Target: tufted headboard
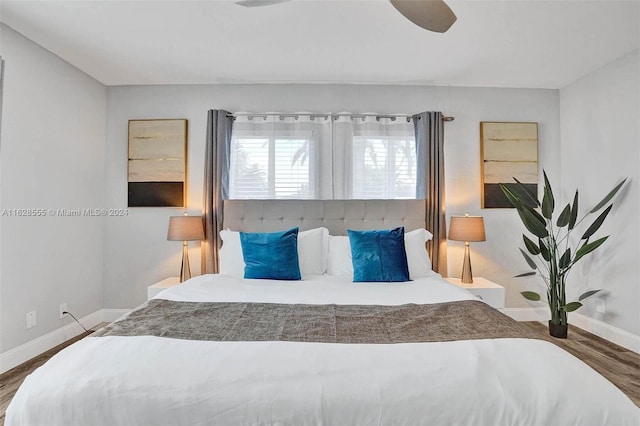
(336, 215)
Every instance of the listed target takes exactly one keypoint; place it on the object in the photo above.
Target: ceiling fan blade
(432, 15)
(257, 3)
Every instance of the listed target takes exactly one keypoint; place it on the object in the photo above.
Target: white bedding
(316, 290)
(161, 381)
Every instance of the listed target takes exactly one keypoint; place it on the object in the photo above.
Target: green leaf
(525, 274)
(511, 196)
(588, 248)
(609, 196)
(547, 206)
(548, 202)
(531, 246)
(570, 307)
(544, 250)
(533, 221)
(536, 215)
(587, 294)
(565, 260)
(530, 295)
(596, 223)
(563, 219)
(530, 261)
(574, 212)
(528, 197)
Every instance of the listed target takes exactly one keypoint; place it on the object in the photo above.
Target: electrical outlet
(63, 309)
(31, 319)
(600, 306)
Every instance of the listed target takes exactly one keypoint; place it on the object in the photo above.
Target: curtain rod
(326, 116)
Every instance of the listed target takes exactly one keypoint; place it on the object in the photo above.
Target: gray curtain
(216, 185)
(429, 129)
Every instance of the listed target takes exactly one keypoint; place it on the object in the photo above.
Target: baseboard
(606, 331)
(16, 356)
(110, 315)
(527, 314)
(599, 328)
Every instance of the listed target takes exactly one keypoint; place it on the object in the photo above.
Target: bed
(220, 349)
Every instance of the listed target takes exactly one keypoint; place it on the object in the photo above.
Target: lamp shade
(466, 228)
(185, 228)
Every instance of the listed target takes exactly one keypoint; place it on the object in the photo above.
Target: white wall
(600, 128)
(52, 156)
(136, 252)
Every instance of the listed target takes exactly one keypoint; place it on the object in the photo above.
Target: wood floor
(619, 365)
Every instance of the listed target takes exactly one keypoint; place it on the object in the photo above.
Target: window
(322, 157)
(383, 167)
(270, 168)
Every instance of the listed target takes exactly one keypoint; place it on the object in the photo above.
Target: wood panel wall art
(507, 150)
(157, 167)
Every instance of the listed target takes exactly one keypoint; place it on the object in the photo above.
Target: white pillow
(231, 260)
(340, 262)
(313, 246)
(417, 256)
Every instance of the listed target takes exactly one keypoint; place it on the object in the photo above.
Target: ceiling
(508, 43)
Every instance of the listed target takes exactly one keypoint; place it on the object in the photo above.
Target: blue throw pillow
(379, 256)
(271, 255)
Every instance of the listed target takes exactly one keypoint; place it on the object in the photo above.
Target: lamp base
(467, 276)
(185, 270)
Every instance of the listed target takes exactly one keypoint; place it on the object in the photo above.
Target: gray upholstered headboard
(336, 215)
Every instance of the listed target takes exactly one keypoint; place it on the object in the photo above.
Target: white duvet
(161, 381)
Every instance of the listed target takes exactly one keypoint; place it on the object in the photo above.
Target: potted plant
(551, 253)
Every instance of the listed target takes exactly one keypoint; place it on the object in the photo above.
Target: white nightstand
(485, 290)
(152, 290)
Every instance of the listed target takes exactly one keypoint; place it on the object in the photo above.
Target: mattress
(151, 380)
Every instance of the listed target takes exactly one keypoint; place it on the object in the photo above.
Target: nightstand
(485, 290)
(152, 290)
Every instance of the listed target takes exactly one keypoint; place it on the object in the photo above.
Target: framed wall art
(157, 166)
(507, 150)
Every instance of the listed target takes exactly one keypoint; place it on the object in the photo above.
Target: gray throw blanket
(317, 323)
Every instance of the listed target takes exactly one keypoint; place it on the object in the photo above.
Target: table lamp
(185, 228)
(466, 228)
